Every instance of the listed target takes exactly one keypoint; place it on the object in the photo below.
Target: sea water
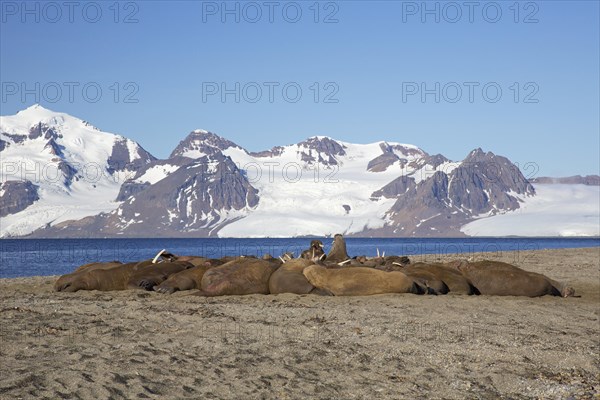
(40, 257)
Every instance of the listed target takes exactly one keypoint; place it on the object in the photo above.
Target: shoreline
(129, 344)
(411, 251)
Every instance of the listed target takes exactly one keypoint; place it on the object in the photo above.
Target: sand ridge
(135, 344)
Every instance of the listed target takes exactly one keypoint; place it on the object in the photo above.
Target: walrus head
(568, 291)
(316, 244)
(338, 250)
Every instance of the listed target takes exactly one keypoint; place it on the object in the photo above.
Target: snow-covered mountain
(210, 186)
(55, 167)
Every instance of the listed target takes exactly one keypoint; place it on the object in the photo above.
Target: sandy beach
(135, 344)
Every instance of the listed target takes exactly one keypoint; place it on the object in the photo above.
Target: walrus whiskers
(158, 255)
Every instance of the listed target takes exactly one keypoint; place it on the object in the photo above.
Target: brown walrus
(118, 276)
(502, 279)
(288, 278)
(185, 280)
(395, 260)
(428, 281)
(97, 265)
(148, 276)
(198, 260)
(66, 281)
(359, 281)
(456, 282)
(315, 251)
(238, 277)
(338, 250)
(111, 278)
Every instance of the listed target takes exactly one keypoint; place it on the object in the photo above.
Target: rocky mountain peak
(479, 155)
(320, 149)
(324, 144)
(199, 143)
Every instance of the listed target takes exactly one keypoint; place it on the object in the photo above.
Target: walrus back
(359, 281)
(238, 277)
(289, 278)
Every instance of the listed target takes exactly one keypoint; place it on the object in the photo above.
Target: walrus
(187, 279)
(149, 276)
(395, 260)
(502, 279)
(96, 265)
(338, 250)
(455, 281)
(119, 276)
(428, 281)
(111, 278)
(238, 277)
(65, 281)
(315, 250)
(226, 259)
(288, 278)
(360, 281)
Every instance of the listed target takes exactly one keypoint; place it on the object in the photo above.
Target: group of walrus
(314, 272)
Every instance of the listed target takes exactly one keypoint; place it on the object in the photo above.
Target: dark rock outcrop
(120, 159)
(16, 196)
(274, 152)
(322, 150)
(395, 188)
(382, 162)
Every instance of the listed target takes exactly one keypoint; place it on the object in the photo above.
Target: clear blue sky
(373, 54)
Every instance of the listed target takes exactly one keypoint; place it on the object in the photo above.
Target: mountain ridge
(210, 186)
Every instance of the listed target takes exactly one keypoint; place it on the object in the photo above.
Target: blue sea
(40, 257)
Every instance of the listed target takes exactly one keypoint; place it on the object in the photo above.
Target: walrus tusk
(344, 262)
(282, 260)
(378, 252)
(383, 255)
(158, 255)
(322, 257)
(398, 264)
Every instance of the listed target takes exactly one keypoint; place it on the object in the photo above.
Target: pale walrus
(502, 279)
(315, 251)
(238, 277)
(338, 250)
(360, 281)
(118, 276)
